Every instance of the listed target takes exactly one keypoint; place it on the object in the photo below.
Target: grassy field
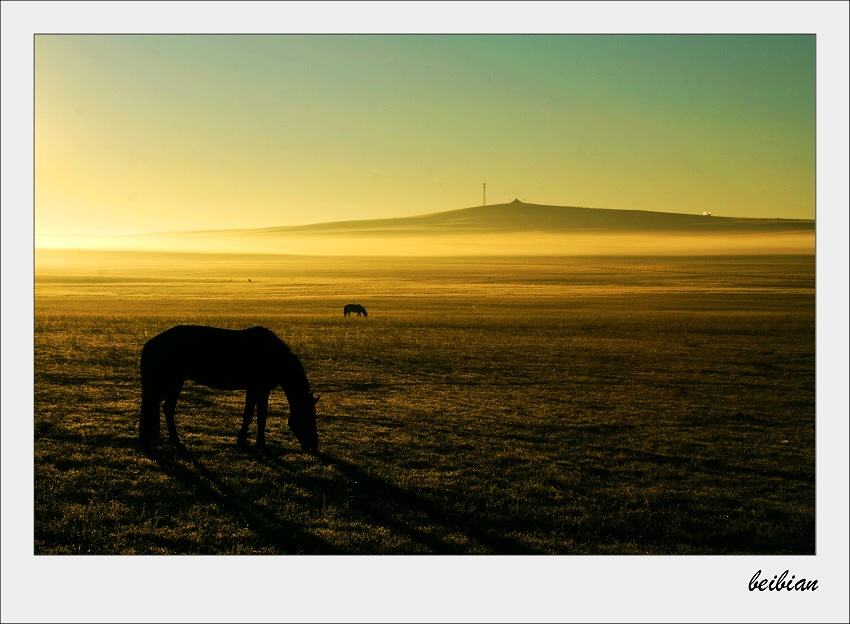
(485, 406)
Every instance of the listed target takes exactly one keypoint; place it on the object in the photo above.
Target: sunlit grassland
(485, 406)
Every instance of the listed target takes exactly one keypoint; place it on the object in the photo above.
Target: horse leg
(262, 409)
(250, 400)
(171, 397)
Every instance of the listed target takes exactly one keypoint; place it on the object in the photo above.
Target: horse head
(302, 422)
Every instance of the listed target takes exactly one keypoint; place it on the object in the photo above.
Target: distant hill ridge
(518, 216)
(514, 228)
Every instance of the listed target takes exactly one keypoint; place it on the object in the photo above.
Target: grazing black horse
(354, 307)
(254, 360)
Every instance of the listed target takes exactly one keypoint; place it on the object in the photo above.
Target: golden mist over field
(520, 244)
(515, 228)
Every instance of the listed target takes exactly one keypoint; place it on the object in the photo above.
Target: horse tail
(149, 418)
(151, 398)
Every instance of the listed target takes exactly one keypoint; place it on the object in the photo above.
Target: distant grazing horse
(254, 360)
(354, 307)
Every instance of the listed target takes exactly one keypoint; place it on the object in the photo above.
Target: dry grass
(563, 406)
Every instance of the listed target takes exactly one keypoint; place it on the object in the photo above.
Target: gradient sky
(139, 133)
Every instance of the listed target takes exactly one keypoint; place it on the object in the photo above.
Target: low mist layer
(504, 229)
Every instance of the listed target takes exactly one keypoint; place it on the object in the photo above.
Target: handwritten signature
(779, 583)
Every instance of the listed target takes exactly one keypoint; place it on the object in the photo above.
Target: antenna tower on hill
(484, 203)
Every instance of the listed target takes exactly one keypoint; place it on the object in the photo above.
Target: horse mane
(293, 377)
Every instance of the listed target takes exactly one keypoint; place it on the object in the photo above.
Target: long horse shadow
(284, 537)
(398, 510)
(376, 498)
(367, 496)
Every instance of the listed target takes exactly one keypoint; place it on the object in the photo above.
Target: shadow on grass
(398, 510)
(346, 494)
(370, 500)
(420, 524)
(285, 537)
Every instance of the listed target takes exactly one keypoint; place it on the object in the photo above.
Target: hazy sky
(138, 133)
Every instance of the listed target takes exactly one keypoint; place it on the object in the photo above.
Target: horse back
(225, 359)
